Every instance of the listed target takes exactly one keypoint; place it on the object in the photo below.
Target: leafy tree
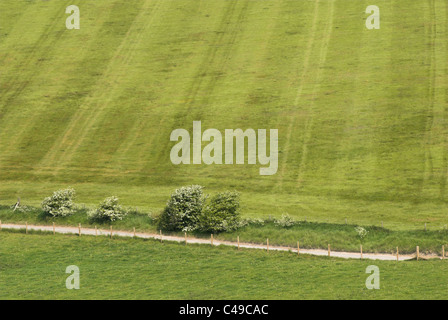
(183, 209)
(222, 213)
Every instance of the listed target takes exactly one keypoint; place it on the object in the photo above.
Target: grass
(33, 267)
(361, 113)
(310, 234)
(343, 238)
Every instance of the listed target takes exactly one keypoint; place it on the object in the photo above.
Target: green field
(33, 267)
(362, 114)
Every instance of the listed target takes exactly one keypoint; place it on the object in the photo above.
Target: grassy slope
(361, 114)
(33, 267)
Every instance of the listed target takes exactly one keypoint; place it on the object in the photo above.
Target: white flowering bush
(222, 213)
(362, 233)
(22, 209)
(285, 221)
(60, 204)
(108, 210)
(255, 222)
(183, 209)
(18, 207)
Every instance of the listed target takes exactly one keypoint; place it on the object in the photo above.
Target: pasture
(361, 114)
(33, 266)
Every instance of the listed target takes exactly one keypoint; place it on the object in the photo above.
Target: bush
(254, 222)
(183, 209)
(108, 210)
(362, 233)
(60, 204)
(222, 214)
(285, 221)
(22, 209)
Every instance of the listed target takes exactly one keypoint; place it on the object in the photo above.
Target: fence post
(134, 232)
(425, 226)
(443, 252)
(161, 236)
(298, 248)
(185, 238)
(212, 239)
(328, 250)
(54, 229)
(397, 253)
(0, 225)
(418, 253)
(361, 252)
(79, 229)
(26, 228)
(267, 244)
(111, 232)
(96, 231)
(238, 239)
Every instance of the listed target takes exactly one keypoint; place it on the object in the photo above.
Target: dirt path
(315, 252)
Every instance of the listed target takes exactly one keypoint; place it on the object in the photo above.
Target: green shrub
(183, 209)
(222, 213)
(60, 204)
(108, 210)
